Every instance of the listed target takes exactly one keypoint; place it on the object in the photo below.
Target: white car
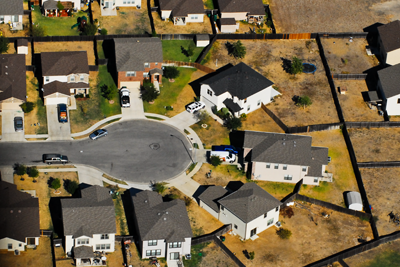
(125, 101)
(196, 106)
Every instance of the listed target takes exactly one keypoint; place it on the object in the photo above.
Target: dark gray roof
(211, 195)
(227, 21)
(234, 107)
(64, 63)
(132, 53)
(319, 157)
(390, 80)
(22, 42)
(373, 96)
(52, 4)
(182, 8)
(83, 252)
(390, 36)
(240, 80)
(61, 87)
(253, 7)
(12, 77)
(202, 37)
(161, 220)
(19, 213)
(249, 202)
(92, 214)
(11, 7)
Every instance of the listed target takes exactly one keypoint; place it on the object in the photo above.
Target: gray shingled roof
(319, 157)
(211, 195)
(83, 252)
(132, 53)
(22, 42)
(12, 77)
(390, 80)
(11, 7)
(249, 202)
(227, 21)
(253, 7)
(161, 220)
(234, 107)
(19, 213)
(202, 37)
(61, 87)
(182, 8)
(64, 63)
(240, 80)
(390, 36)
(93, 213)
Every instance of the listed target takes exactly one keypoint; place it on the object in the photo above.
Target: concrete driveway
(183, 120)
(136, 110)
(7, 124)
(57, 130)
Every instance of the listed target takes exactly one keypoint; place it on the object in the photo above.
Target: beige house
(251, 11)
(12, 81)
(389, 42)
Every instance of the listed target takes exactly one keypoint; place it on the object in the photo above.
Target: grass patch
(100, 51)
(197, 255)
(278, 190)
(41, 116)
(113, 179)
(191, 167)
(105, 77)
(209, 4)
(214, 134)
(154, 118)
(169, 92)
(386, 258)
(174, 50)
(120, 216)
(38, 115)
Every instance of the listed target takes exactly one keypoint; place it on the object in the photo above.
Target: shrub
(103, 31)
(149, 92)
(296, 66)
(171, 72)
(233, 123)
(20, 169)
(60, 6)
(4, 44)
(38, 31)
(56, 183)
(188, 201)
(27, 106)
(215, 161)
(238, 50)
(33, 172)
(159, 188)
(243, 116)
(108, 92)
(72, 187)
(251, 255)
(284, 233)
(89, 29)
(304, 101)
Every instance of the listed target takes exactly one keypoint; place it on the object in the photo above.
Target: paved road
(137, 151)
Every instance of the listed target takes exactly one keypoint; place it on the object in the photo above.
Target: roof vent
(19, 211)
(283, 143)
(165, 219)
(6, 67)
(11, 211)
(166, 212)
(137, 41)
(6, 73)
(159, 214)
(145, 201)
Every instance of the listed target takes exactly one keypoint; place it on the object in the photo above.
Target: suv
(55, 158)
(18, 124)
(62, 113)
(125, 101)
(195, 106)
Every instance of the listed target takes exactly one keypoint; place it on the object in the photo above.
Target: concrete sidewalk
(97, 124)
(7, 174)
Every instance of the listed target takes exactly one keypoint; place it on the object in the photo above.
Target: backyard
(7, 32)
(177, 49)
(168, 27)
(259, 120)
(208, 254)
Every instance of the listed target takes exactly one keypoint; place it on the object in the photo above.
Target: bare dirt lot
(328, 16)
(259, 120)
(353, 105)
(66, 46)
(383, 191)
(311, 240)
(268, 57)
(376, 144)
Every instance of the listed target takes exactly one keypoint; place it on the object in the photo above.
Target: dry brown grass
(265, 56)
(213, 255)
(248, 28)
(382, 186)
(214, 134)
(353, 105)
(67, 46)
(338, 232)
(375, 144)
(259, 120)
(5, 29)
(168, 27)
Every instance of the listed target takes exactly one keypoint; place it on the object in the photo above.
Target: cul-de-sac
(214, 133)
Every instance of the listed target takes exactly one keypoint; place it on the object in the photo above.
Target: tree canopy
(297, 66)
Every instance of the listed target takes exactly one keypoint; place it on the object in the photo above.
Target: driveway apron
(183, 120)
(57, 130)
(7, 123)
(135, 111)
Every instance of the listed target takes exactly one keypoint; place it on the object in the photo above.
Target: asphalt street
(137, 151)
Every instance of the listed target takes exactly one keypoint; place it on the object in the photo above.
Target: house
(250, 209)
(19, 219)
(251, 11)
(11, 13)
(228, 25)
(238, 88)
(389, 43)
(54, 8)
(182, 11)
(89, 224)
(138, 59)
(163, 228)
(388, 89)
(284, 158)
(12, 81)
(65, 74)
(112, 4)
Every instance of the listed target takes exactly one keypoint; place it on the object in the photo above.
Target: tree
(296, 66)
(4, 44)
(149, 92)
(171, 72)
(304, 101)
(20, 169)
(190, 51)
(60, 6)
(55, 184)
(27, 106)
(252, 254)
(72, 187)
(215, 161)
(233, 123)
(238, 50)
(103, 31)
(89, 29)
(108, 92)
(284, 233)
(33, 172)
(38, 30)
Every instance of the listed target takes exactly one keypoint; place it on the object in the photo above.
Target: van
(55, 158)
(224, 156)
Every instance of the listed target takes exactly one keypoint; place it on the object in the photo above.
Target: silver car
(98, 133)
(18, 124)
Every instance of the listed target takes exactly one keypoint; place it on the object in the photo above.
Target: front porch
(179, 20)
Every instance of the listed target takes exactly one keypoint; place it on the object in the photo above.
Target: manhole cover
(155, 146)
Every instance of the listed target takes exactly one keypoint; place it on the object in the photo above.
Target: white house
(65, 74)
(252, 11)
(163, 228)
(89, 224)
(11, 13)
(238, 88)
(12, 81)
(285, 158)
(182, 11)
(19, 219)
(389, 43)
(388, 88)
(250, 209)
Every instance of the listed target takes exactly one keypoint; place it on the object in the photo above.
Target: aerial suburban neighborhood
(199, 133)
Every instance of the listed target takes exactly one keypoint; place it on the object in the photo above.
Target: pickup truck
(125, 101)
(55, 158)
(228, 148)
(62, 113)
(224, 156)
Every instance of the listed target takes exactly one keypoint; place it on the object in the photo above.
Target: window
(304, 169)
(15, 18)
(152, 242)
(248, 107)
(245, 100)
(131, 74)
(194, 17)
(268, 165)
(156, 63)
(102, 2)
(265, 215)
(104, 236)
(398, 100)
(146, 75)
(276, 166)
(258, 102)
(2, 19)
(235, 226)
(129, 2)
(277, 208)
(82, 78)
(83, 241)
(9, 246)
(175, 245)
(222, 208)
(124, 2)
(47, 78)
(147, 65)
(288, 177)
(72, 79)
(270, 221)
(315, 180)
(154, 252)
(209, 92)
(103, 246)
(284, 167)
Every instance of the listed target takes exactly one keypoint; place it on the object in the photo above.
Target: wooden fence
(228, 252)
(339, 76)
(372, 124)
(210, 237)
(379, 164)
(314, 128)
(274, 117)
(188, 64)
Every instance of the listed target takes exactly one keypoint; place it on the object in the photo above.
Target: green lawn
(209, 4)
(105, 78)
(169, 92)
(42, 117)
(172, 50)
(197, 255)
(57, 26)
(100, 51)
(386, 258)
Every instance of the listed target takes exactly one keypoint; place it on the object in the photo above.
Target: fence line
(314, 128)
(93, 68)
(343, 34)
(228, 252)
(46, 232)
(359, 76)
(372, 124)
(379, 164)
(274, 117)
(205, 51)
(269, 18)
(210, 237)
(188, 64)
(124, 237)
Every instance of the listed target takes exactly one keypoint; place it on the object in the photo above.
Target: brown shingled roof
(60, 87)
(64, 63)
(253, 7)
(182, 8)
(12, 77)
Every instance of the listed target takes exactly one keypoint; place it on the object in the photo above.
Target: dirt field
(375, 144)
(383, 191)
(66, 46)
(268, 57)
(168, 27)
(260, 121)
(353, 105)
(309, 242)
(328, 16)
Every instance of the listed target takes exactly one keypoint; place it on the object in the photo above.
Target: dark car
(98, 133)
(227, 148)
(62, 113)
(18, 124)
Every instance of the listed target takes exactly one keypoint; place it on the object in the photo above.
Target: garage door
(10, 106)
(56, 100)
(130, 85)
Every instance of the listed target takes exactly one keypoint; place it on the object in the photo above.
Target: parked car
(62, 113)
(224, 156)
(18, 124)
(54, 158)
(98, 133)
(125, 101)
(228, 148)
(195, 106)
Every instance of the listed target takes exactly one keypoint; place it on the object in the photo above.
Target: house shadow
(56, 216)
(233, 186)
(109, 48)
(372, 30)
(126, 198)
(37, 64)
